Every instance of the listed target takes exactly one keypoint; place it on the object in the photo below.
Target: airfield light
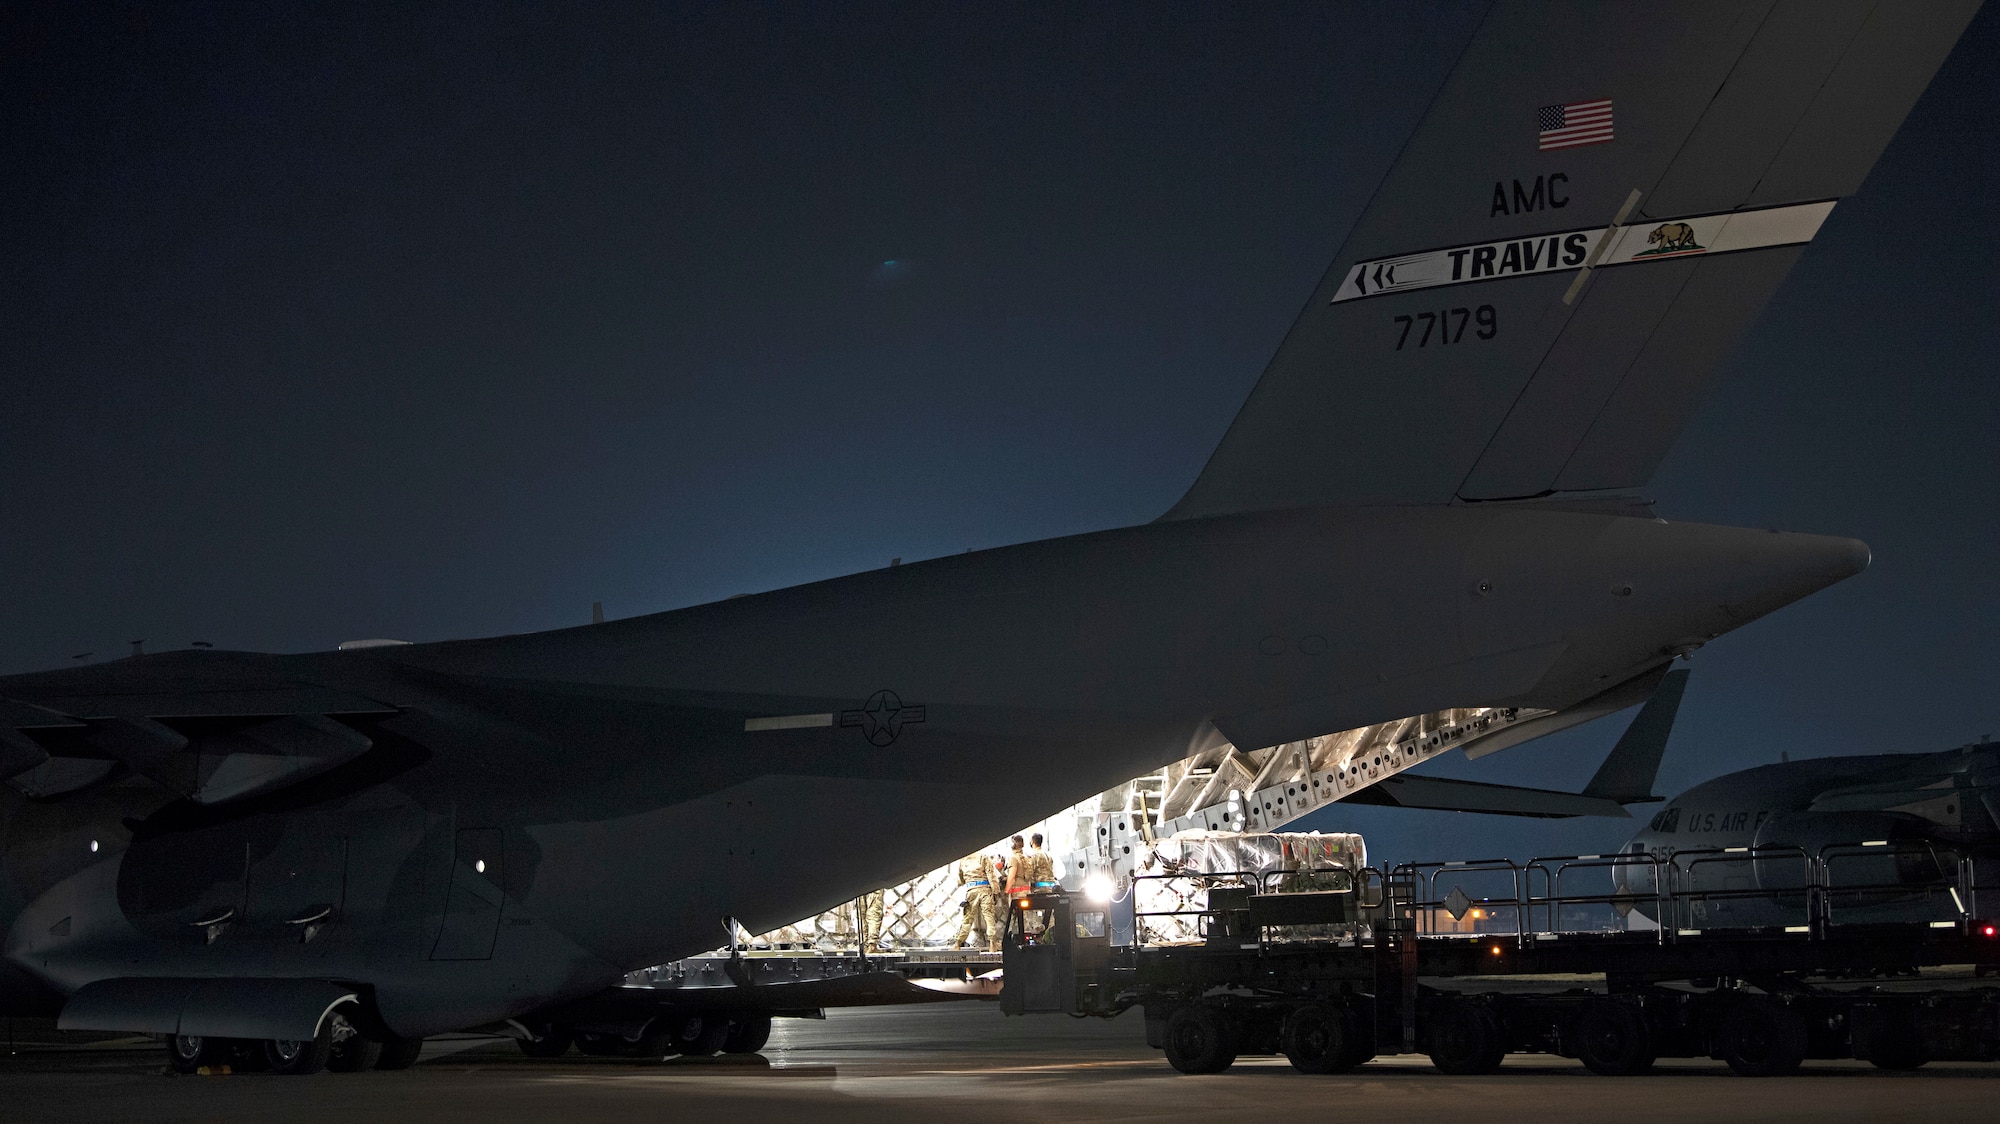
(93, 846)
(480, 866)
(1098, 887)
(1496, 950)
(1986, 930)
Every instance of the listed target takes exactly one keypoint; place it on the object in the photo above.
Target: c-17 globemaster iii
(1425, 503)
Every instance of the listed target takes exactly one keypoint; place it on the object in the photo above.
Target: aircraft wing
(214, 727)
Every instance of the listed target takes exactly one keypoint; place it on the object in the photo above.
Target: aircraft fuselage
(538, 814)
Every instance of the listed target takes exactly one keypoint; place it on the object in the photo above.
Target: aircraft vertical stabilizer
(1591, 213)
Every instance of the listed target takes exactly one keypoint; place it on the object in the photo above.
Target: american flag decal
(1573, 125)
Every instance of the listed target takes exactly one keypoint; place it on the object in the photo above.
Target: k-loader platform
(1333, 967)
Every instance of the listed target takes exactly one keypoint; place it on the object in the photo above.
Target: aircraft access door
(473, 905)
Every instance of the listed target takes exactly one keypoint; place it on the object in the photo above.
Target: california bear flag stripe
(1726, 232)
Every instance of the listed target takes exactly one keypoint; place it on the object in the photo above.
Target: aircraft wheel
(656, 1041)
(399, 1053)
(1319, 1038)
(301, 1057)
(187, 1053)
(550, 1041)
(1466, 1040)
(600, 1045)
(747, 1034)
(352, 1051)
(1613, 1039)
(1199, 1040)
(699, 1036)
(1759, 1038)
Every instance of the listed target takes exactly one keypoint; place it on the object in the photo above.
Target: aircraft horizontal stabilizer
(1629, 769)
(1626, 777)
(1440, 794)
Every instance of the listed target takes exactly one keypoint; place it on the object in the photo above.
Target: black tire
(399, 1053)
(1613, 1039)
(550, 1041)
(1319, 1038)
(747, 1034)
(1199, 1040)
(599, 1045)
(352, 1051)
(656, 1041)
(1465, 1040)
(1898, 1042)
(700, 1036)
(301, 1057)
(353, 1055)
(1759, 1038)
(187, 1053)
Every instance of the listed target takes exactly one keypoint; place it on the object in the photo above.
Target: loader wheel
(1759, 1038)
(1466, 1040)
(1319, 1038)
(1199, 1040)
(1613, 1039)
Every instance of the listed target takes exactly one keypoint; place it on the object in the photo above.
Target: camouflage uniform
(1041, 869)
(871, 919)
(1040, 874)
(976, 875)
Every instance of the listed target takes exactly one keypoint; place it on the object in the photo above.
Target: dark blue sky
(408, 323)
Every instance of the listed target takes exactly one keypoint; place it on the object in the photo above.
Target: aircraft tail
(1592, 212)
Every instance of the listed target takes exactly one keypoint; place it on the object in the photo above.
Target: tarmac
(960, 1062)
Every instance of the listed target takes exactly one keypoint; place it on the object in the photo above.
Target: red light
(1987, 931)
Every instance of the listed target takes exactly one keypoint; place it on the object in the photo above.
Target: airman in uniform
(871, 919)
(1041, 877)
(1041, 865)
(975, 874)
(1019, 880)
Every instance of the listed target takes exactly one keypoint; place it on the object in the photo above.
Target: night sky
(339, 323)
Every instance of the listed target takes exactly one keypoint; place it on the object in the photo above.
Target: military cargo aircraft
(1895, 837)
(1426, 502)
